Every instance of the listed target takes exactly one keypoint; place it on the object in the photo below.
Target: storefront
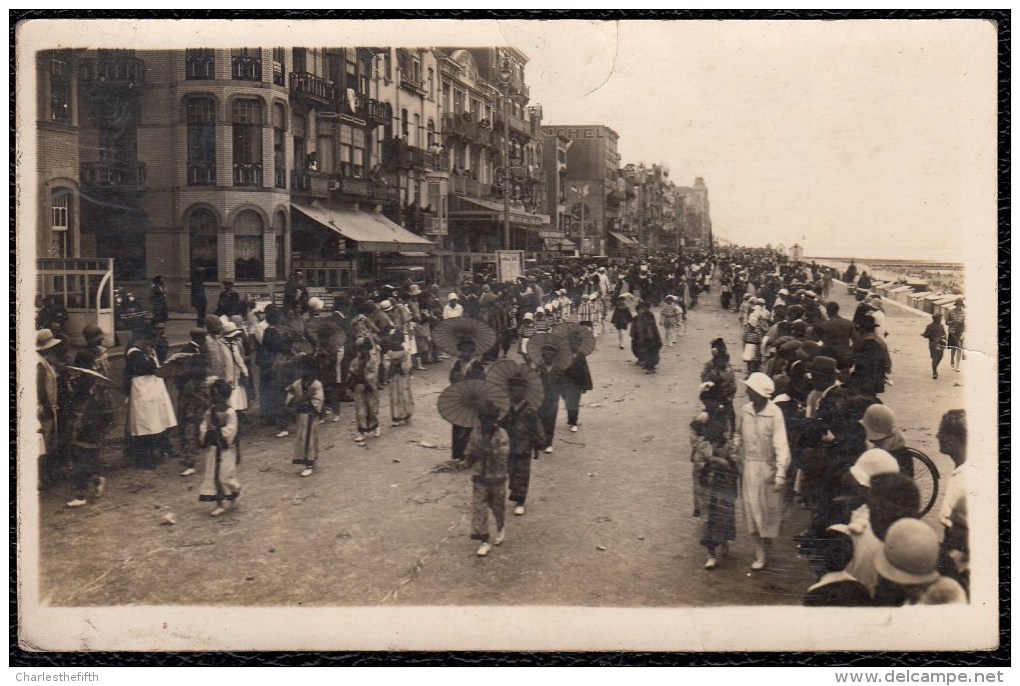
(621, 245)
(343, 247)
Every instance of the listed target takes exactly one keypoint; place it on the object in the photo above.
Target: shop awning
(560, 244)
(414, 254)
(624, 240)
(476, 208)
(370, 230)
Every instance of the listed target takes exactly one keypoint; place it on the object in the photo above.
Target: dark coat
(578, 374)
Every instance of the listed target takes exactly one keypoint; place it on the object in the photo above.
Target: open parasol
(458, 404)
(450, 332)
(92, 374)
(178, 364)
(563, 358)
(502, 371)
(579, 337)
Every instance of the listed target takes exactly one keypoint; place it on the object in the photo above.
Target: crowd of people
(813, 431)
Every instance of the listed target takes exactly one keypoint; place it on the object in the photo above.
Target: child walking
(525, 332)
(670, 316)
(361, 378)
(305, 398)
(621, 319)
(401, 400)
(219, 434)
(487, 452)
(526, 437)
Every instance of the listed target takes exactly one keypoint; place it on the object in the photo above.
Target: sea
(938, 276)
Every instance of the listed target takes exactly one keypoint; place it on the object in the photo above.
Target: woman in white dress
(150, 411)
(765, 457)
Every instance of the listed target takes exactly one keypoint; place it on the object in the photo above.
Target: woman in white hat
(765, 458)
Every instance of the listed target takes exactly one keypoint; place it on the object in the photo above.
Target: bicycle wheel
(926, 477)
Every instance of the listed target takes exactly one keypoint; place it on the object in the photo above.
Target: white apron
(150, 409)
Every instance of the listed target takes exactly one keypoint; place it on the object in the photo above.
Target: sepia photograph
(507, 334)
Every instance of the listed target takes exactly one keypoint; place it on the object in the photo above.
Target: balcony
(312, 90)
(310, 183)
(373, 110)
(415, 85)
(520, 126)
(396, 154)
(357, 188)
(112, 175)
(467, 128)
(462, 185)
(116, 72)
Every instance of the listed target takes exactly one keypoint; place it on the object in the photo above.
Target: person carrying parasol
(487, 452)
(554, 357)
(577, 376)
(526, 435)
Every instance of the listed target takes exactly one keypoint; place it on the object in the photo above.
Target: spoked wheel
(925, 475)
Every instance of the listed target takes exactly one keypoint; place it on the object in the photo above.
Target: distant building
(696, 221)
(796, 252)
(593, 165)
(781, 249)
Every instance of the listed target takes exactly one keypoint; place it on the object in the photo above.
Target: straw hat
(44, 340)
(871, 463)
(911, 553)
(761, 384)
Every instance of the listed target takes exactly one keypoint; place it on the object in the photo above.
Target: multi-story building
(592, 171)
(495, 157)
(557, 184)
(695, 220)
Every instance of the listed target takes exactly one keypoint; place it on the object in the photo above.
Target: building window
(278, 62)
(417, 130)
(201, 120)
(246, 64)
(246, 117)
(202, 236)
(279, 147)
(60, 221)
(300, 60)
(404, 126)
(352, 152)
(432, 84)
(431, 133)
(446, 97)
(248, 246)
(60, 92)
(279, 229)
(458, 101)
(200, 64)
(388, 65)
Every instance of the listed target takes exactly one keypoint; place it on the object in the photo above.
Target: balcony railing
(396, 154)
(247, 174)
(312, 89)
(108, 174)
(373, 110)
(467, 128)
(310, 183)
(462, 185)
(113, 71)
(201, 173)
(409, 82)
(281, 176)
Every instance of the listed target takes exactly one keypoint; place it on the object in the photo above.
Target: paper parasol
(502, 371)
(92, 374)
(563, 358)
(458, 404)
(449, 332)
(178, 364)
(579, 337)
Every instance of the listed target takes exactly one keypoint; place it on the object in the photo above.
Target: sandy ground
(608, 524)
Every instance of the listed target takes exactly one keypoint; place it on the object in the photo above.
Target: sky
(873, 139)
(853, 138)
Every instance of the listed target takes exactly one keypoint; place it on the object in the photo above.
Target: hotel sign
(576, 132)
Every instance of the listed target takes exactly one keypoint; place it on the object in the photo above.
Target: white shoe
(573, 428)
(283, 434)
(306, 472)
(217, 512)
(336, 417)
(758, 564)
(77, 502)
(100, 487)
(378, 432)
(360, 438)
(483, 549)
(500, 537)
(710, 563)
(321, 420)
(519, 510)
(188, 472)
(549, 450)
